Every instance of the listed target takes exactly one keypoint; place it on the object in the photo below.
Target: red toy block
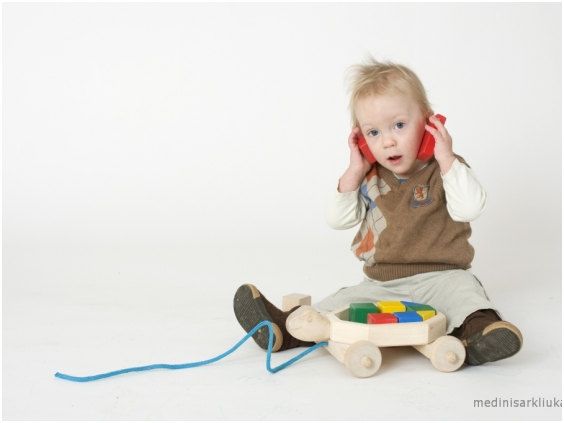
(379, 318)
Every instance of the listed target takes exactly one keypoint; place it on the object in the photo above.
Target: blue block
(408, 316)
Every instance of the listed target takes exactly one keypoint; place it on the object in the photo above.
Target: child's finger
(353, 137)
(433, 131)
(440, 127)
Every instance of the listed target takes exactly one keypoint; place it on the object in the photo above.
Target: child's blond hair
(377, 78)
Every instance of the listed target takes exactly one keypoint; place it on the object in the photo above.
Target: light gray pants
(455, 293)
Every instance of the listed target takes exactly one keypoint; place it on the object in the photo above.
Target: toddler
(414, 224)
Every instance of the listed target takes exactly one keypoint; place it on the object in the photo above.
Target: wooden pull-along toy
(356, 332)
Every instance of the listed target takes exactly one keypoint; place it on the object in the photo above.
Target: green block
(416, 306)
(358, 312)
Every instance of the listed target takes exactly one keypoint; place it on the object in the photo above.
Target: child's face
(393, 127)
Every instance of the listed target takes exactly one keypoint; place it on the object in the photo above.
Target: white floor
(83, 312)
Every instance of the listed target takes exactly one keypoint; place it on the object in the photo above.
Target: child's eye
(374, 132)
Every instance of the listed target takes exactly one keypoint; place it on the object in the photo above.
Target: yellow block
(390, 306)
(426, 314)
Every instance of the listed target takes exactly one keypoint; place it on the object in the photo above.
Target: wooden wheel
(363, 359)
(448, 354)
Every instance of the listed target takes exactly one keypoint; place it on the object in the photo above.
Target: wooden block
(359, 311)
(416, 306)
(426, 314)
(381, 318)
(292, 300)
(390, 306)
(408, 316)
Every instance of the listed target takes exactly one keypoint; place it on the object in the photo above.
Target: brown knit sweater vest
(407, 229)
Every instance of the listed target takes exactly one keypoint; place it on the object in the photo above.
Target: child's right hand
(358, 163)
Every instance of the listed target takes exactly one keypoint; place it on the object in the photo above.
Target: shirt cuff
(454, 169)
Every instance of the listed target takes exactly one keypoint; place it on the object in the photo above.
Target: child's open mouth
(394, 159)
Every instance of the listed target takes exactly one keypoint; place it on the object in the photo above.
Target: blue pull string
(204, 362)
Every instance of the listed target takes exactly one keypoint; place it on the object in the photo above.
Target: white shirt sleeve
(465, 197)
(345, 209)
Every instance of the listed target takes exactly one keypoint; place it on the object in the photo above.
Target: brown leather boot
(488, 338)
(251, 308)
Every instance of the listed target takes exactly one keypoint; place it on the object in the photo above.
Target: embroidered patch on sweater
(421, 196)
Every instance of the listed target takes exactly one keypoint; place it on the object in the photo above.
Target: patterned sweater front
(413, 225)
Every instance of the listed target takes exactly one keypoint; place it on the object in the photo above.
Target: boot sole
(498, 340)
(250, 311)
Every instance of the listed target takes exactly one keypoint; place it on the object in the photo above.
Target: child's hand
(443, 144)
(358, 162)
(358, 166)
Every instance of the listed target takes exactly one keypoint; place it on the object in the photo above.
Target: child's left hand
(443, 144)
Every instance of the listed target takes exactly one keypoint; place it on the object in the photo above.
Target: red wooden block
(379, 318)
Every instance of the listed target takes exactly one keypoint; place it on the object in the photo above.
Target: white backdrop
(155, 156)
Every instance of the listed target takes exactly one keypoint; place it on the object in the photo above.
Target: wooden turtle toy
(356, 333)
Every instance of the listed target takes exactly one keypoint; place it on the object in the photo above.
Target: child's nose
(389, 140)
